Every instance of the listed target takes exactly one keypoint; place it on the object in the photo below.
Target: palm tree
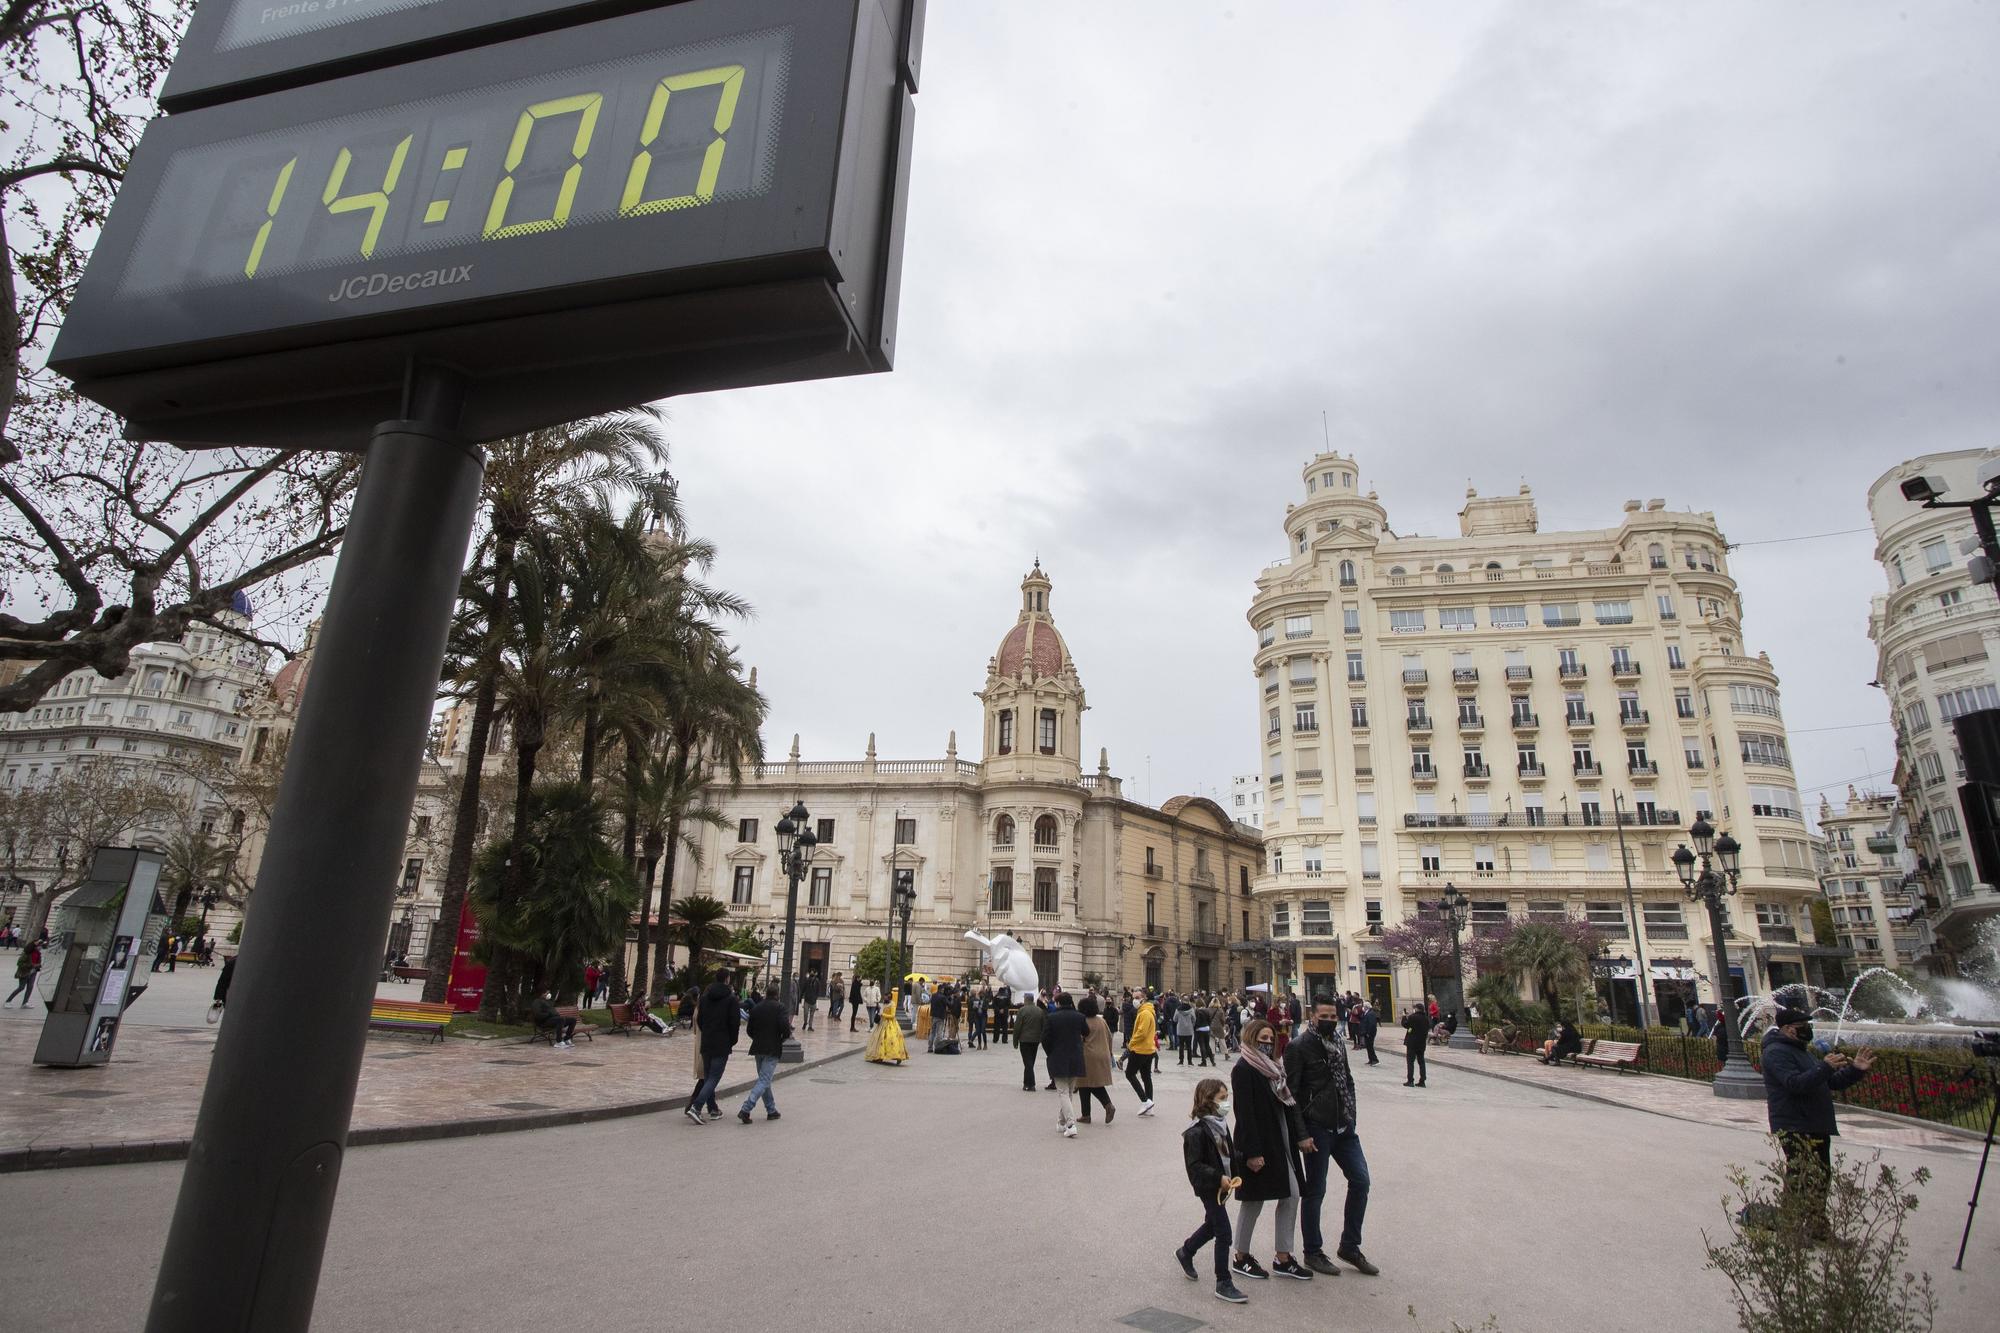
(527, 479)
(575, 898)
(664, 795)
(699, 927)
(1551, 954)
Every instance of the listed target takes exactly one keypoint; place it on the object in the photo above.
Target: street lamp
(1710, 885)
(1458, 910)
(905, 903)
(796, 843)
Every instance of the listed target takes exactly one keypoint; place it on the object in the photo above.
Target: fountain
(1937, 1017)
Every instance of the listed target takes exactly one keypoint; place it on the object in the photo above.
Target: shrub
(874, 956)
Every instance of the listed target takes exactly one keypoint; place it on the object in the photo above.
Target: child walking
(1208, 1152)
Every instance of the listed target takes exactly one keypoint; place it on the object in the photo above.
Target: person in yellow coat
(886, 1046)
(1141, 1048)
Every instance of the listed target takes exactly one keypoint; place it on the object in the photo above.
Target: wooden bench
(1497, 1039)
(410, 1016)
(622, 1020)
(569, 1011)
(1610, 1054)
(411, 973)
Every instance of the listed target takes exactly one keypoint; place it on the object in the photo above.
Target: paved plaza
(939, 1195)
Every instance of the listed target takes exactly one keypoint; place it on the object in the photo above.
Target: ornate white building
(1527, 714)
(1867, 880)
(1020, 839)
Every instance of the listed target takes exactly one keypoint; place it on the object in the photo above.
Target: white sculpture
(1011, 964)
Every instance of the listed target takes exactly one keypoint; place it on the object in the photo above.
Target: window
(1557, 615)
(1418, 715)
(1003, 831)
(1275, 726)
(1305, 717)
(746, 830)
(1350, 620)
(1691, 752)
(1406, 621)
(1315, 858)
(1430, 858)
(1045, 889)
(1420, 760)
(1621, 658)
(1302, 671)
(423, 829)
(1531, 806)
(822, 887)
(1000, 889)
(1656, 556)
(1666, 603)
(1357, 714)
(1753, 699)
(1917, 717)
(1047, 834)
(1902, 579)
(1457, 618)
(1596, 856)
(1541, 856)
(1281, 919)
(1525, 757)
(1573, 708)
(1509, 617)
(413, 873)
(1317, 918)
(1628, 707)
(1468, 712)
(1475, 761)
(1347, 573)
(1373, 912)
(141, 710)
(1950, 598)
(1774, 802)
(1937, 555)
(1355, 671)
(1593, 813)
(1759, 748)
(1045, 732)
(906, 830)
(1683, 703)
(1956, 703)
(1267, 634)
(1605, 916)
(1371, 860)
(746, 880)
(1931, 769)
(1613, 613)
(1674, 659)
(824, 832)
(1482, 859)
(1298, 627)
(1006, 731)
(1152, 910)
(1945, 820)
(1364, 808)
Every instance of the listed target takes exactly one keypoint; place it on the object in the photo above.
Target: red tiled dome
(1038, 637)
(290, 682)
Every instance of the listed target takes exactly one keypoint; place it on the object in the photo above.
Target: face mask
(1222, 1107)
(1804, 1030)
(1327, 1027)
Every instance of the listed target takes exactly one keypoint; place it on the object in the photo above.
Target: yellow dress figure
(886, 1046)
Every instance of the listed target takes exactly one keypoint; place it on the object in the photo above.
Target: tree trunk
(442, 950)
(671, 846)
(593, 723)
(502, 1000)
(39, 903)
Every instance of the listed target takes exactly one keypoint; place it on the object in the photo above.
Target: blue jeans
(1343, 1150)
(767, 1069)
(704, 1096)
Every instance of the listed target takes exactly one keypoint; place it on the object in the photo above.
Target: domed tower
(1034, 701)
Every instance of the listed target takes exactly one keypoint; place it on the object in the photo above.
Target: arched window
(1001, 894)
(1006, 737)
(1045, 733)
(1656, 556)
(1396, 571)
(1347, 571)
(1046, 835)
(1493, 564)
(1443, 568)
(1003, 831)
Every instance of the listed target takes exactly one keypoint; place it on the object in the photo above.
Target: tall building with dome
(1019, 839)
(1536, 717)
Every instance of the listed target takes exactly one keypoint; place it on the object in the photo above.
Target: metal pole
(1461, 1037)
(1736, 1079)
(909, 993)
(791, 1053)
(249, 1230)
(1642, 977)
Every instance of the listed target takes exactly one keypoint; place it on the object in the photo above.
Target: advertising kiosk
(104, 933)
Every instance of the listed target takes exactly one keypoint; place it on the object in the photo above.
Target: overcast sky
(1743, 257)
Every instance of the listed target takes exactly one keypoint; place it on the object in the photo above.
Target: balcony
(1531, 774)
(1778, 934)
(1153, 871)
(1882, 846)
(1155, 931)
(1308, 728)
(1471, 722)
(1526, 721)
(1580, 721)
(1560, 622)
(1587, 770)
(1271, 689)
(1648, 768)
(1276, 780)
(1635, 719)
(1520, 673)
(1204, 939)
(1307, 775)
(1423, 775)
(1465, 675)
(1478, 775)
(1658, 562)
(1650, 817)
(1572, 671)
(1201, 879)
(1623, 669)
(1664, 930)
(1416, 676)
(1420, 725)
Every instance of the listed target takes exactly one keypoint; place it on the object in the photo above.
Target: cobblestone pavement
(150, 1091)
(939, 1195)
(1688, 1099)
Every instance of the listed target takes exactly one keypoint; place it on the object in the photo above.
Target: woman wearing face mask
(1270, 1135)
(1209, 1154)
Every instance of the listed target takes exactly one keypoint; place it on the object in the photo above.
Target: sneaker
(1069, 1131)
(713, 1114)
(1228, 1291)
(1186, 1261)
(743, 1116)
(1319, 1263)
(693, 1115)
(1247, 1266)
(1356, 1260)
(772, 1115)
(1290, 1268)
(1145, 1108)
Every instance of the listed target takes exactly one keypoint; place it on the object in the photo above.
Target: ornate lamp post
(796, 843)
(904, 903)
(1458, 911)
(1710, 885)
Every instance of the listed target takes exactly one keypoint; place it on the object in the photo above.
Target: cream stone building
(1868, 878)
(1529, 715)
(1019, 839)
(1934, 632)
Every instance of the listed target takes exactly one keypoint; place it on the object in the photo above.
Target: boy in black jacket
(1207, 1150)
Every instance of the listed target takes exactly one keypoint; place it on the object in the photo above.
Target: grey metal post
(791, 1053)
(1642, 979)
(249, 1230)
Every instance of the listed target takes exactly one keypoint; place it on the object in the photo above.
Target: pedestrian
(768, 1028)
(1322, 1084)
(1280, 1019)
(1294, 1014)
(1798, 1097)
(1270, 1135)
(221, 998)
(981, 1003)
(1096, 1080)
(720, 1022)
(809, 996)
(871, 1000)
(1184, 1032)
(1003, 1012)
(1128, 1013)
(1029, 1026)
(1232, 1024)
(857, 996)
(1204, 1020)
(547, 1019)
(1064, 1035)
(1416, 1040)
(25, 968)
(1140, 1051)
(590, 979)
(1368, 1023)
(955, 1010)
(1210, 1157)
(836, 995)
(1164, 1011)
(161, 954)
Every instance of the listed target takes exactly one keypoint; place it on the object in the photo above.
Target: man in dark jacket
(1416, 1037)
(768, 1027)
(1798, 1096)
(853, 1001)
(1316, 1070)
(1064, 1035)
(809, 992)
(720, 1022)
(1364, 1025)
(1029, 1025)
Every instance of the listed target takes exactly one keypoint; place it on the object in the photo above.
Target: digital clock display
(249, 22)
(575, 149)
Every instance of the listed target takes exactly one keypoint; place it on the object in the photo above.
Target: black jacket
(1262, 1124)
(1321, 1082)
(1416, 1030)
(854, 991)
(721, 1021)
(1063, 1040)
(1208, 1164)
(1799, 1086)
(768, 1027)
(1365, 1025)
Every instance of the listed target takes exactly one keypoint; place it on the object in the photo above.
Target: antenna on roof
(1325, 431)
